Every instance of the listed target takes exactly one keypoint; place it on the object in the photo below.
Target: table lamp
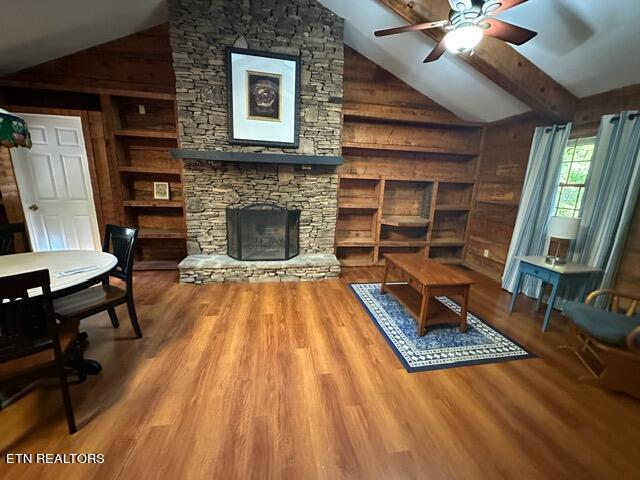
(564, 228)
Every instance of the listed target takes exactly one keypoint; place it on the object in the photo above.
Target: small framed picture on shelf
(264, 98)
(161, 190)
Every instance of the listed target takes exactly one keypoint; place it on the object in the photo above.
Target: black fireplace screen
(262, 232)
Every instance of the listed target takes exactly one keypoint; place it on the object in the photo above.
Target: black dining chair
(7, 237)
(32, 344)
(121, 242)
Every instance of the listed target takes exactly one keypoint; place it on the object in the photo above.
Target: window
(573, 175)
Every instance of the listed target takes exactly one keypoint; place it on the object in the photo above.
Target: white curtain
(536, 203)
(611, 194)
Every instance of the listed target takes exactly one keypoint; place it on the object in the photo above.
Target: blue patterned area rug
(443, 346)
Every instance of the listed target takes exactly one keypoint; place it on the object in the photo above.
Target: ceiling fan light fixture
(463, 39)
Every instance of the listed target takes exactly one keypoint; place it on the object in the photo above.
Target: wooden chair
(609, 340)
(7, 237)
(32, 344)
(120, 241)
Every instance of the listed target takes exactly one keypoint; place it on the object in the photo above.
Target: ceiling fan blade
(508, 32)
(436, 53)
(494, 7)
(411, 28)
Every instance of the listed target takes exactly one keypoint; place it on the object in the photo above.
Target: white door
(55, 186)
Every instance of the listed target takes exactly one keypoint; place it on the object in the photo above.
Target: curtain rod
(561, 127)
(615, 118)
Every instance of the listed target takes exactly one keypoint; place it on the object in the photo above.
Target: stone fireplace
(213, 187)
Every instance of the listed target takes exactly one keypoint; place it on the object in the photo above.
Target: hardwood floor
(292, 380)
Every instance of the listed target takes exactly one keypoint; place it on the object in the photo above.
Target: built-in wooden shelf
(410, 148)
(152, 203)
(453, 208)
(447, 242)
(160, 234)
(504, 203)
(365, 204)
(145, 133)
(156, 265)
(356, 242)
(404, 221)
(141, 131)
(150, 170)
(403, 243)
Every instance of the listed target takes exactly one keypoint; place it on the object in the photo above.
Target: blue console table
(559, 276)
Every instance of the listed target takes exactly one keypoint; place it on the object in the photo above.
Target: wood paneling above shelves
(388, 113)
(136, 65)
(377, 136)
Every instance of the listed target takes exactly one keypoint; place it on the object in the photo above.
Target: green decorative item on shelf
(14, 131)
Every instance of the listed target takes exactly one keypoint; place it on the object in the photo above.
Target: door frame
(89, 147)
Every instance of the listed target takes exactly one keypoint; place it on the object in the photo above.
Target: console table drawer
(538, 272)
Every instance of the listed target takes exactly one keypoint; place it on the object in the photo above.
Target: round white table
(69, 270)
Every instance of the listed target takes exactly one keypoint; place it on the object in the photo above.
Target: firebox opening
(262, 231)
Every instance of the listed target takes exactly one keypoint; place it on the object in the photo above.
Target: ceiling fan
(468, 21)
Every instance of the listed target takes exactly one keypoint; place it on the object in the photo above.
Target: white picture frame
(263, 98)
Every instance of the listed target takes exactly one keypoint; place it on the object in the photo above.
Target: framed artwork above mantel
(263, 98)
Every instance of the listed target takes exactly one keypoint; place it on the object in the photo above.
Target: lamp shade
(563, 227)
(13, 131)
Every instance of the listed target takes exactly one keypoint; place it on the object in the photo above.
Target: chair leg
(113, 317)
(134, 318)
(66, 397)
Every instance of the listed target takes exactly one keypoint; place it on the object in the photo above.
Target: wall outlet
(141, 109)
(485, 254)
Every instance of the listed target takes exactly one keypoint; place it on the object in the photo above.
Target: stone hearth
(222, 268)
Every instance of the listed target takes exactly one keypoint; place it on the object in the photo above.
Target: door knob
(33, 207)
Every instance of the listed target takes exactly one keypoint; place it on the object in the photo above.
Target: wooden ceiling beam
(498, 61)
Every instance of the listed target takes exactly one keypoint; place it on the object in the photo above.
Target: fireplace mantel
(252, 157)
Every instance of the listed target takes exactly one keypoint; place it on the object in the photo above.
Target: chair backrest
(121, 242)
(7, 237)
(27, 324)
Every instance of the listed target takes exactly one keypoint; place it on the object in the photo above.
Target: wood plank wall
(504, 160)
(138, 62)
(141, 61)
(500, 177)
(589, 111)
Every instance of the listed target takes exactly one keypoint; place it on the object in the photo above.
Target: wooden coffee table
(430, 279)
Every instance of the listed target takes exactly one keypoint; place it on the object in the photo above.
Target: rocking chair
(609, 341)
